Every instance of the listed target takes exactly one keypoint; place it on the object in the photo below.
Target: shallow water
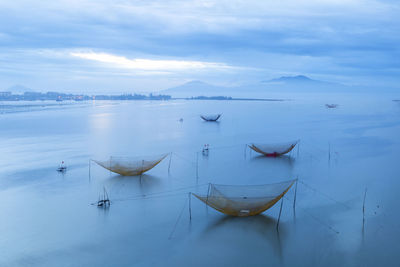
(48, 219)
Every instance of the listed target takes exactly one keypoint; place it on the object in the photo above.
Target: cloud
(148, 64)
(338, 40)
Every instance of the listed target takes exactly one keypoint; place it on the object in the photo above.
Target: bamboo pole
(279, 218)
(295, 196)
(197, 165)
(142, 169)
(365, 195)
(208, 192)
(110, 167)
(190, 205)
(329, 151)
(169, 164)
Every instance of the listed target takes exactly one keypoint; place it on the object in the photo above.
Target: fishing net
(244, 200)
(210, 117)
(130, 166)
(273, 149)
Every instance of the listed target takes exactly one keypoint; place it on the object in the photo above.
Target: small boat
(62, 167)
(206, 149)
(103, 201)
(331, 105)
(244, 200)
(126, 166)
(214, 117)
(274, 150)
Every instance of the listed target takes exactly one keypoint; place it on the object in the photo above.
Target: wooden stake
(110, 167)
(197, 165)
(329, 149)
(170, 158)
(279, 218)
(142, 169)
(365, 195)
(190, 205)
(295, 195)
(90, 161)
(208, 192)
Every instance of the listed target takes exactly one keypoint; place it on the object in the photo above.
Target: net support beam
(365, 195)
(169, 164)
(279, 217)
(90, 163)
(190, 205)
(295, 196)
(197, 165)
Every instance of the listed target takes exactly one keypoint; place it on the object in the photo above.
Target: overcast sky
(125, 46)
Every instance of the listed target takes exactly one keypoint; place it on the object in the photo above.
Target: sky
(113, 46)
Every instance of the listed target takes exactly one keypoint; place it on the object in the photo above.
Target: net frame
(131, 166)
(274, 150)
(244, 200)
(213, 117)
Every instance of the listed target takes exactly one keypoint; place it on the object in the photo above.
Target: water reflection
(262, 225)
(282, 160)
(142, 185)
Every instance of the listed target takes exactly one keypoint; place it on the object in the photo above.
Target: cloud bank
(91, 45)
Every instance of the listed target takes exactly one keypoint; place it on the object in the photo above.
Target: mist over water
(48, 219)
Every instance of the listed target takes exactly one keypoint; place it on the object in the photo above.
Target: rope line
(149, 195)
(315, 218)
(177, 221)
(323, 194)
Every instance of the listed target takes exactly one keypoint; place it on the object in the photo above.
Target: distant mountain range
(282, 87)
(292, 79)
(283, 84)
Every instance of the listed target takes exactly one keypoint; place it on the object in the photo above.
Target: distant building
(5, 94)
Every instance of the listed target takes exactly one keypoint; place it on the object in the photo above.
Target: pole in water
(279, 218)
(365, 195)
(190, 205)
(295, 195)
(329, 152)
(245, 150)
(142, 169)
(208, 192)
(170, 158)
(110, 166)
(197, 165)
(90, 161)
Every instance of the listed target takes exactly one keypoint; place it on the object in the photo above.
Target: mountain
(277, 87)
(18, 89)
(299, 79)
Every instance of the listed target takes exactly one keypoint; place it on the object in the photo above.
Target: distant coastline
(56, 96)
(228, 98)
(59, 97)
